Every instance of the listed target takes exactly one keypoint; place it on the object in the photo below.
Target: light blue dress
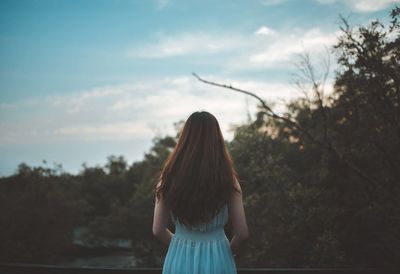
(204, 249)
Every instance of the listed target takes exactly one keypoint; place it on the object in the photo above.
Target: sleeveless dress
(200, 250)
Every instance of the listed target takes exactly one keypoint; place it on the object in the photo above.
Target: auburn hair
(198, 175)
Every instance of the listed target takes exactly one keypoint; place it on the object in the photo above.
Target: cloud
(363, 5)
(271, 2)
(160, 4)
(117, 130)
(326, 1)
(186, 44)
(76, 103)
(372, 5)
(132, 111)
(6, 106)
(264, 30)
(261, 49)
(280, 49)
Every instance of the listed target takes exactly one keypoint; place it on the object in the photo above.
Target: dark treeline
(332, 203)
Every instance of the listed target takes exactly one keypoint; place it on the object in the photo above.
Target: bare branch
(308, 77)
(269, 112)
(264, 105)
(326, 65)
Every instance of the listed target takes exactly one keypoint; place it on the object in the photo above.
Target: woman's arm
(238, 218)
(160, 221)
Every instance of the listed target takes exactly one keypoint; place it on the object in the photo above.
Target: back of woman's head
(198, 176)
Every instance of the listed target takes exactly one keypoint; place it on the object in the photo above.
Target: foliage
(329, 215)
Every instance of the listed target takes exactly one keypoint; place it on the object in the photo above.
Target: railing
(50, 269)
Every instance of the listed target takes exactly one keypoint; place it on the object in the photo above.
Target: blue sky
(81, 80)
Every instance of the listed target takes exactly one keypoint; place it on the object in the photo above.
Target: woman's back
(197, 177)
(200, 249)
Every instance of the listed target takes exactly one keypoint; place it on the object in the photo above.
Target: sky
(83, 80)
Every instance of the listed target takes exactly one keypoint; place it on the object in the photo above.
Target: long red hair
(198, 175)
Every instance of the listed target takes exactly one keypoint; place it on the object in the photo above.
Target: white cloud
(117, 130)
(186, 44)
(363, 5)
(77, 102)
(264, 30)
(131, 111)
(272, 2)
(280, 50)
(372, 5)
(6, 105)
(139, 109)
(326, 1)
(263, 48)
(160, 4)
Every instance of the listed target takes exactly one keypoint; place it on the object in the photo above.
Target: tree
(342, 160)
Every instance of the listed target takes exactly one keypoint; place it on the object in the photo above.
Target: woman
(198, 188)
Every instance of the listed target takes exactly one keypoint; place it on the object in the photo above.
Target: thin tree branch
(269, 112)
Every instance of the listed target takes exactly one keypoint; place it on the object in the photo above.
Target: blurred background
(94, 93)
